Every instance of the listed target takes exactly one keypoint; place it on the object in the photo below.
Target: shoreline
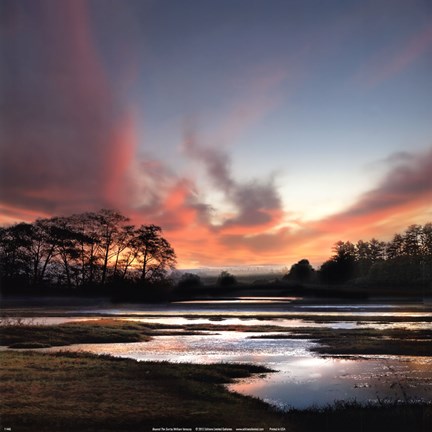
(207, 405)
(85, 392)
(18, 334)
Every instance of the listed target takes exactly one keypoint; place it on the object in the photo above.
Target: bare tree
(153, 252)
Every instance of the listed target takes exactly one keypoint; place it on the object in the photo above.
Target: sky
(254, 132)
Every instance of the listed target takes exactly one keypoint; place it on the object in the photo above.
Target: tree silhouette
(153, 252)
(189, 281)
(83, 251)
(123, 255)
(340, 268)
(301, 272)
(405, 260)
(395, 248)
(226, 279)
(15, 243)
(110, 224)
(367, 254)
(93, 249)
(68, 243)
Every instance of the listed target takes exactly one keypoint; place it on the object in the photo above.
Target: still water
(302, 378)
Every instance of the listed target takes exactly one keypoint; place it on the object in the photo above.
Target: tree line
(404, 260)
(91, 251)
(86, 250)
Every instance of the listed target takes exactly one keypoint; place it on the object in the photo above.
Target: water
(290, 319)
(227, 346)
(302, 378)
(306, 381)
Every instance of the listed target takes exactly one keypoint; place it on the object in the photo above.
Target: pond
(302, 378)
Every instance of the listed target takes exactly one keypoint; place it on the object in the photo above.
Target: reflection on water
(40, 320)
(246, 321)
(304, 381)
(362, 306)
(302, 378)
(241, 300)
(224, 347)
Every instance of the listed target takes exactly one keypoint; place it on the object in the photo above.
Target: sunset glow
(253, 133)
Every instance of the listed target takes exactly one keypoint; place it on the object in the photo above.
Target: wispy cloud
(68, 144)
(257, 203)
(157, 195)
(66, 140)
(392, 61)
(402, 196)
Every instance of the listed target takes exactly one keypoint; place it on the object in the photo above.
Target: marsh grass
(65, 334)
(362, 341)
(107, 330)
(73, 391)
(357, 341)
(84, 392)
(20, 333)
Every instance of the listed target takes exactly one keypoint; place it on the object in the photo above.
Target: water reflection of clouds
(241, 300)
(246, 321)
(301, 378)
(303, 382)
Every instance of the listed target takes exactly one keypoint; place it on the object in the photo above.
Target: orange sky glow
(211, 128)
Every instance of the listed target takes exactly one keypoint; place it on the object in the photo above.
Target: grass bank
(410, 342)
(82, 392)
(103, 331)
(107, 330)
(331, 341)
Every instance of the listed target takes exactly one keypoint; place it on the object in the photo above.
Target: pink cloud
(69, 145)
(66, 140)
(402, 197)
(394, 60)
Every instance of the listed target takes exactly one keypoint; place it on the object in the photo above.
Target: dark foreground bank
(83, 392)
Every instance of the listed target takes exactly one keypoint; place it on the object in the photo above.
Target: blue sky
(240, 124)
